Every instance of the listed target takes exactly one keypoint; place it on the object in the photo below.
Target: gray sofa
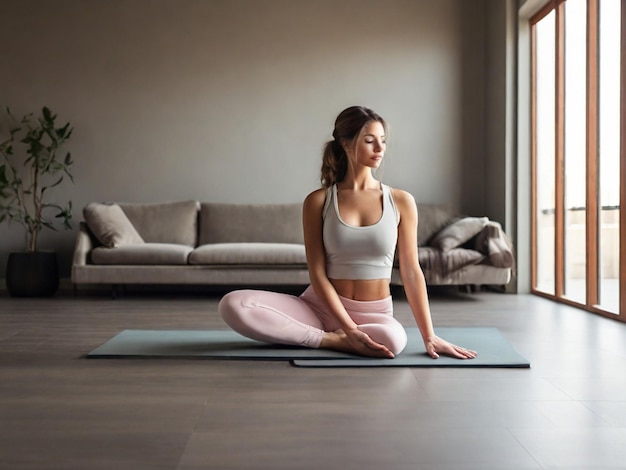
(194, 243)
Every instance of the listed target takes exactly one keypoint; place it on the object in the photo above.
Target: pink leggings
(279, 318)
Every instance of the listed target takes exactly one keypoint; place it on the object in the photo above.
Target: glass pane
(575, 149)
(545, 131)
(608, 151)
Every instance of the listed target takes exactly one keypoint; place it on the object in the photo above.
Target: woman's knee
(398, 339)
(246, 309)
(392, 335)
(231, 306)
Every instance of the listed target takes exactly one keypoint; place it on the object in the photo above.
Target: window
(578, 157)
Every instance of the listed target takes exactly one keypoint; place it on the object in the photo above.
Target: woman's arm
(316, 260)
(414, 282)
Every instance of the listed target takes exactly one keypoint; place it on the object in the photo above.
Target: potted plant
(31, 164)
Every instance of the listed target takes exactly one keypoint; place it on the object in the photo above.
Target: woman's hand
(366, 346)
(435, 346)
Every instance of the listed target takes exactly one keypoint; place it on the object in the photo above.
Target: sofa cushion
(146, 254)
(431, 219)
(110, 225)
(459, 232)
(249, 223)
(446, 262)
(249, 254)
(496, 245)
(169, 222)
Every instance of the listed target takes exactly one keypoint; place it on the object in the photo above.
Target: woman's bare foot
(336, 340)
(363, 345)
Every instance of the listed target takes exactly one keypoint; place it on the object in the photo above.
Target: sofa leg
(469, 288)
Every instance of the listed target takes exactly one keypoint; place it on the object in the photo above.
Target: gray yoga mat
(493, 349)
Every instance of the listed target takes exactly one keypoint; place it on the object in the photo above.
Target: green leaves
(30, 167)
(4, 182)
(47, 115)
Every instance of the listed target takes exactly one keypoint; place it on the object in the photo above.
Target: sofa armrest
(84, 245)
(495, 245)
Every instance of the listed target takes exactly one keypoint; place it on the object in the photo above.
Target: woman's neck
(364, 180)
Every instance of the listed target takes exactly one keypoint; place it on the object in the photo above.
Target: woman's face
(368, 147)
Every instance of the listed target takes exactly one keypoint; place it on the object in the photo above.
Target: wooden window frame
(592, 209)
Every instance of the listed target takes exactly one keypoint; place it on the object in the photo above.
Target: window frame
(592, 131)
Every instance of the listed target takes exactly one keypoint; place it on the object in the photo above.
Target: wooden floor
(59, 410)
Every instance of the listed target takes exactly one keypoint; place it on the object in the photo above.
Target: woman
(352, 226)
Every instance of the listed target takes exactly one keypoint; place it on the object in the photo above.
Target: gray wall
(232, 100)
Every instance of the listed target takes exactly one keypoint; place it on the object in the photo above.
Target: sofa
(208, 243)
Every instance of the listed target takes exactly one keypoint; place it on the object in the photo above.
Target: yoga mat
(223, 344)
(494, 350)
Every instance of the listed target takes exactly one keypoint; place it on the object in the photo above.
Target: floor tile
(574, 448)
(613, 412)
(49, 449)
(570, 414)
(604, 388)
(526, 387)
(364, 448)
(82, 415)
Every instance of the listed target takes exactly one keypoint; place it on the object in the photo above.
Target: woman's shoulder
(405, 204)
(316, 198)
(402, 197)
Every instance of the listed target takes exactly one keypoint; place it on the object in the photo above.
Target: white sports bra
(359, 252)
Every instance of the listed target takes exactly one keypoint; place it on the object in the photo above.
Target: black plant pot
(32, 274)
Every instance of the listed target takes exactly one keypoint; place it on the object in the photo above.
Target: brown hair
(347, 126)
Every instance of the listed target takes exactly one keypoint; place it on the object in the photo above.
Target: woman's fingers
(431, 351)
(463, 353)
(437, 345)
(467, 353)
(371, 344)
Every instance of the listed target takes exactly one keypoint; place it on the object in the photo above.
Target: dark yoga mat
(493, 349)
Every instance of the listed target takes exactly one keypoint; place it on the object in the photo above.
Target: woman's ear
(345, 145)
